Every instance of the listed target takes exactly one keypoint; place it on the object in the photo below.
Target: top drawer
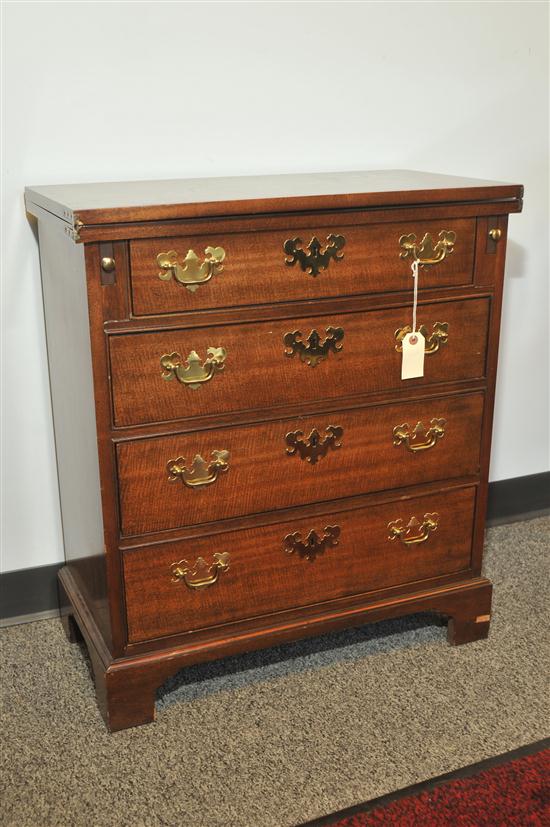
(193, 272)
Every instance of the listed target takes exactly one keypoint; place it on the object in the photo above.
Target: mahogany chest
(240, 462)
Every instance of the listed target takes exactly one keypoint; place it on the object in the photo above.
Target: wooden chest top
(89, 207)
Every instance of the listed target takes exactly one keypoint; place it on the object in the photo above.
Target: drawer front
(178, 480)
(187, 373)
(206, 271)
(212, 580)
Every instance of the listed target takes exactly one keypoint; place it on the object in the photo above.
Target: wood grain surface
(262, 476)
(258, 374)
(263, 577)
(127, 201)
(254, 270)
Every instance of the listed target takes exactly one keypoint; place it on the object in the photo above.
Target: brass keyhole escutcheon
(313, 447)
(313, 543)
(315, 257)
(314, 349)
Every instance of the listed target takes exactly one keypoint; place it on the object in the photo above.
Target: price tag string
(413, 344)
(414, 268)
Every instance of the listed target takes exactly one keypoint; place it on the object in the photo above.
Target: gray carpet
(279, 737)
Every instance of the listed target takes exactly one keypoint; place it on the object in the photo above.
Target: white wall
(114, 91)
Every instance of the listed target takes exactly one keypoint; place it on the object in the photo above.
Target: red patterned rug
(511, 790)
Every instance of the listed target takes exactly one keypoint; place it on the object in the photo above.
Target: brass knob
(107, 264)
(495, 234)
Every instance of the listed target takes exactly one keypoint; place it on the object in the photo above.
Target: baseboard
(33, 617)
(518, 498)
(29, 592)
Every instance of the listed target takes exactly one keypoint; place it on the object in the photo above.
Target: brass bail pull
(199, 575)
(191, 272)
(439, 336)
(193, 371)
(419, 438)
(427, 252)
(414, 532)
(201, 472)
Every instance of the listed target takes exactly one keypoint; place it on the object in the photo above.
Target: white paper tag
(412, 364)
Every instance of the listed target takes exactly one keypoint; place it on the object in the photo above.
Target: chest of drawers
(240, 462)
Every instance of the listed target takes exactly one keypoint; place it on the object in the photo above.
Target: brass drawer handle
(439, 336)
(313, 544)
(427, 253)
(419, 439)
(316, 259)
(200, 574)
(406, 533)
(191, 371)
(313, 350)
(201, 472)
(192, 272)
(314, 447)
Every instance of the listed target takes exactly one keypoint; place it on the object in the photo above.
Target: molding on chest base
(126, 687)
